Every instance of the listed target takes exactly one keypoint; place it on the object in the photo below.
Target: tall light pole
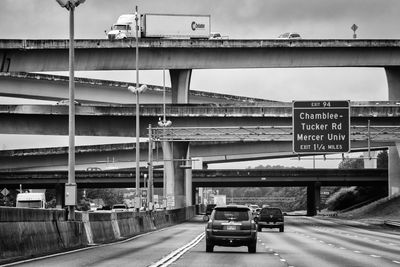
(164, 123)
(137, 92)
(70, 187)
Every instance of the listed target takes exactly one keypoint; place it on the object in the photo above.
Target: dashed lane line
(343, 248)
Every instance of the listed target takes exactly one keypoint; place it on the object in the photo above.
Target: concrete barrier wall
(32, 232)
(26, 232)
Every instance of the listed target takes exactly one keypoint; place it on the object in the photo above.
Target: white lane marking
(283, 260)
(398, 262)
(375, 256)
(356, 251)
(176, 254)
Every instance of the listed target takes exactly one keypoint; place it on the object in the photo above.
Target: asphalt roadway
(306, 242)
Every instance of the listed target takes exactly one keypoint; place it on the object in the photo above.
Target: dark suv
(270, 218)
(231, 226)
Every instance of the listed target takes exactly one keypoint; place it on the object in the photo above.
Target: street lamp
(164, 122)
(137, 92)
(70, 187)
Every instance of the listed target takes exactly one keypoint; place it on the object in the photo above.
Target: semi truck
(31, 200)
(162, 26)
(220, 200)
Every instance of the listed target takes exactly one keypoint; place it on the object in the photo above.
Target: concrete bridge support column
(60, 193)
(177, 176)
(393, 79)
(180, 85)
(188, 178)
(195, 196)
(313, 198)
(394, 170)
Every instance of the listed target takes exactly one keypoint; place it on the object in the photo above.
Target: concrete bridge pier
(393, 80)
(313, 198)
(178, 174)
(60, 192)
(180, 85)
(394, 170)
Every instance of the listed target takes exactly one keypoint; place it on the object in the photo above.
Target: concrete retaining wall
(31, 232)
(27, 232)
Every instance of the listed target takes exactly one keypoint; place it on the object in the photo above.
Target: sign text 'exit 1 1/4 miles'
(321, 127)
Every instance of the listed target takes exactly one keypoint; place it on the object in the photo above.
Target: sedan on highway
(231, 226)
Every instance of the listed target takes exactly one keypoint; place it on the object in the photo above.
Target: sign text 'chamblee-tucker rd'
(321, 127)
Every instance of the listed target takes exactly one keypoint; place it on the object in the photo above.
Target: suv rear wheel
(252, 248)
(209, 247)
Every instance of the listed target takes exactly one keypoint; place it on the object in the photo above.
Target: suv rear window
(231, 214)
(271, 211)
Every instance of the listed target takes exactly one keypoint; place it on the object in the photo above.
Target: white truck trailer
(220, 200)
(162, 26)
(31, 200)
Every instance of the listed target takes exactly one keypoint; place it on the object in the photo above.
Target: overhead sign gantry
(321, 127)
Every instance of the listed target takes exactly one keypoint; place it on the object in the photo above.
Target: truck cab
(124, 28)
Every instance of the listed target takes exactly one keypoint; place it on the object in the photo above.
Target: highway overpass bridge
(180, 57)
(313, 179)
(251, 132)
(273, 139)
(119, 120)
(121, 156)
(201, 178)
(55, 88)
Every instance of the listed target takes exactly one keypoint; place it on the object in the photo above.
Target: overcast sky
(248, 19)
(238, 19)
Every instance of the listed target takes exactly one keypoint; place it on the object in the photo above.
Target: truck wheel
(209, 247)
(281, 229)
(205, 218)
(259, 229)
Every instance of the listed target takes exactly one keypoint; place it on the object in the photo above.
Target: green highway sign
(321, 127)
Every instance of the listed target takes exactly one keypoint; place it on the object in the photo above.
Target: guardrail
(392, 223)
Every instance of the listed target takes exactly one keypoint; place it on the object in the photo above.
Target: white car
(289, 35)
(120, 207)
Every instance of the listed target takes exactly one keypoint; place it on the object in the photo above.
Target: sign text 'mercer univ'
(321, 126)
